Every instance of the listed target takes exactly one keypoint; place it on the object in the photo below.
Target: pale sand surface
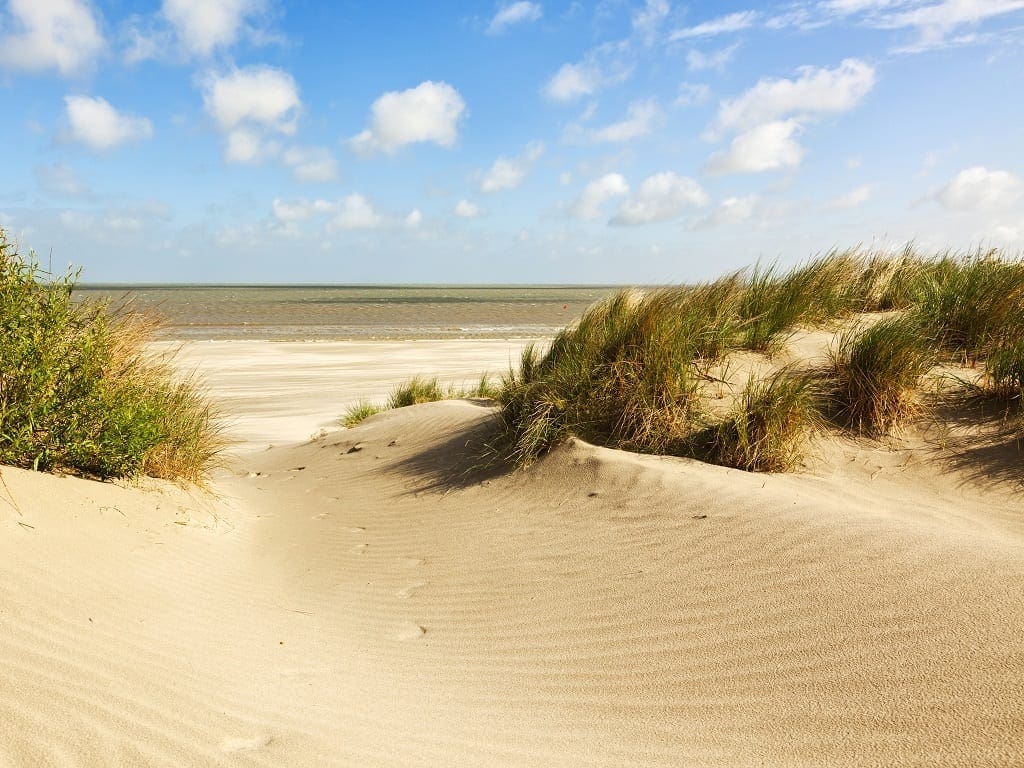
(359, 600)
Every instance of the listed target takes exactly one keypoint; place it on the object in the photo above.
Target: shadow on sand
(468, 457)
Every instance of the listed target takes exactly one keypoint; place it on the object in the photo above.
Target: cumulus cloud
(350, 212)
(640, 120)
(815, 91)
(465, 209)
(509, 172)
(414, 218)
(257, 95)
(95, 123)
(979, 188)
(514, 13)
(855, 198)
(766, 147)
(311, 164)
(733, 22)
(430, 112)
(51, 34)
(732, 210)
(203, 26)
(596, 194)
(250, 104)
(660, 197)
(355, 212)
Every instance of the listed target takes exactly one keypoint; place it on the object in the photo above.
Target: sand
(365, 598)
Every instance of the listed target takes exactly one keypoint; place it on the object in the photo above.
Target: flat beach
(366, 597)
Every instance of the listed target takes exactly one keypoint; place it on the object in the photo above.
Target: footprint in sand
(321, 516)
(410, 590)
(356, 530)
(409, 631)
(236, 744)
(359, 549)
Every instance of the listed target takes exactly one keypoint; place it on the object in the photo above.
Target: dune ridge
(360, 600)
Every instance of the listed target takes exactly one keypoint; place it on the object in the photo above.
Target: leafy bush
(79, 393)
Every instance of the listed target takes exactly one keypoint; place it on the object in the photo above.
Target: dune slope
(367, 599)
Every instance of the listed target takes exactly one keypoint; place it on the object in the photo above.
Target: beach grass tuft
(359, 412)
(80, 392)
(874, 371)
(767, 428)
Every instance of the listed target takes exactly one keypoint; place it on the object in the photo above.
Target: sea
(339, 312)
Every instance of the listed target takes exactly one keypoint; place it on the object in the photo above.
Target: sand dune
(367, 598)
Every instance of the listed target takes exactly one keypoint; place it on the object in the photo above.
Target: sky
(512, 142)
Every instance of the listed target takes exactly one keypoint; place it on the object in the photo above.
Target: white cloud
(430, 112)
(95, 123)
(245, 145)
(766, 147)
(508, 173)
(661, 197)
(936, 21)
(603, 66)
(597, 193)
(855, 198)
(732, 210)
(202, 26)
(257, 95)
(646, 21)
(734, 22)
(815, 91)
(351, 212)
(355, 212)
(464, 209)
(311, 164)
(572, 81)
(716, 60)
(639, 122)
(61, 180)
(292, 212)
(978, 188)
(51, 34)
(691, 94)
(514, 13)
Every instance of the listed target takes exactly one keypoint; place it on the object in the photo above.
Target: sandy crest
(368, 599)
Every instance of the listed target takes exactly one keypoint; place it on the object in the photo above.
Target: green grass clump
(968, 302)
(418, 389)
(767, 428)
(358, 412)
(874, 372)
(626, 375)
(78, 391)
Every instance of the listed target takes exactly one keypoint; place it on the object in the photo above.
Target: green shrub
(79, 393)
(874, 372)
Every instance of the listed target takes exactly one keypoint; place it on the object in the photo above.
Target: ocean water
(311, 312)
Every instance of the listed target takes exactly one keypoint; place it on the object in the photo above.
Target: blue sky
(525, 142)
